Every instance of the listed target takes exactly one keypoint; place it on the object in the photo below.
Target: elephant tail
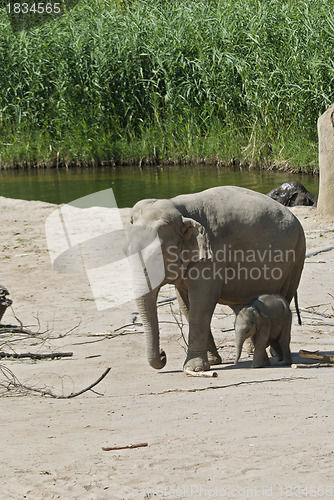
(297, 309)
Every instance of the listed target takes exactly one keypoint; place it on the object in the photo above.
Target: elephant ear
(261, 318)
(195, 241)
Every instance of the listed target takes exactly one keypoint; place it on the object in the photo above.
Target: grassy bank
(234, 81)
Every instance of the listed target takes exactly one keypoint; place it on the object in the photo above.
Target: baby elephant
(267, 321)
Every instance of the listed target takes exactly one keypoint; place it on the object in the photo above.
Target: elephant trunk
(147, 307)
(241, 337)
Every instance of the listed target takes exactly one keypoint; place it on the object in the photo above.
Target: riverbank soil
(248, 433)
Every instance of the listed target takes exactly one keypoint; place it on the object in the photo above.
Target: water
(131, 184)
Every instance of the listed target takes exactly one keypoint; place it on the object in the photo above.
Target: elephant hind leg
(183, 301)
(286, 352)
(276, 349)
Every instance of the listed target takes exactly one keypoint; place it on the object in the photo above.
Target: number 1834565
(33, 8)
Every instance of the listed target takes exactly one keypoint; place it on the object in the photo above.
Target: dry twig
(130, 446)
(180, 324)
(15, 385)
(200, 389)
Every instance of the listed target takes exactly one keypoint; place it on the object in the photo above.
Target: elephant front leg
(197, 355)
(260, 356)
(212, 353)
(200, 314)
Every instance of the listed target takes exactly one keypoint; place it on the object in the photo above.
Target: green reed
(234, 81)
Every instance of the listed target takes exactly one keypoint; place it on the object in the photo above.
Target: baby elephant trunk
(241, 336)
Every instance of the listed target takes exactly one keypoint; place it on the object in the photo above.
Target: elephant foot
(261, 364)
(196, 362)
(284, 363)
(214, 358)
(260, 360)
(287, 361)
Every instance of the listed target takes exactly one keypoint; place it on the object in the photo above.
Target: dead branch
(10, 329)
(180, 324)
(316, 355)
(32, 355)
(314, 365)
(127, 326)
(316, 313)
(164, 302)
(200, 389)
(15, 384)
(316, 323)
(318, 305)
(311, 254)
(74, 395)
(17, 319)
(104, 336)
(130, 446)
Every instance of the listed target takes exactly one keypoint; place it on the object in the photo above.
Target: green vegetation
(158, 80)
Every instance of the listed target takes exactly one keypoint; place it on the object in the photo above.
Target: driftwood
(190, 373)
(314, 365)
(128, 447)
(32, 355)
(315, 355)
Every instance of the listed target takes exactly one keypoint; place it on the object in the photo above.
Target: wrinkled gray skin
(267, 321)
(194, 228)
(293, 193)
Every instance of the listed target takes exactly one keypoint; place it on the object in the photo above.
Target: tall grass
(230, 80)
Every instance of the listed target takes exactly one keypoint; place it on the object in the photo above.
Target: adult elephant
(225, 245)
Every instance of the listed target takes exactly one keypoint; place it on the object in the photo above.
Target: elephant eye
(131, 219)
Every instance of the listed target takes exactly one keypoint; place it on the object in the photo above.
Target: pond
(131, 184)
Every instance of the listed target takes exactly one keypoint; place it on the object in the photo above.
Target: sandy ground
(246, 434)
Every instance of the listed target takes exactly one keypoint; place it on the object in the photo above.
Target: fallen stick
(315, 365)
(32, 355)
(316, 313)
(128, 447)
(214, 387)
(315, 355)
(311, 254)
(126, 326)
(191, 373)
(166, 301)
